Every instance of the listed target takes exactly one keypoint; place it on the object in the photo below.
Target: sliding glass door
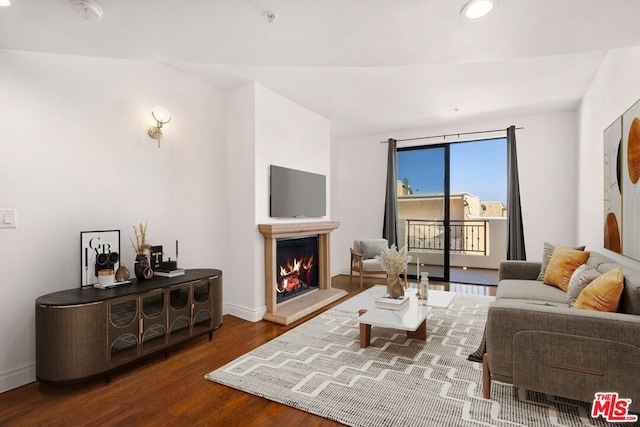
(423, 208)
(452, 209)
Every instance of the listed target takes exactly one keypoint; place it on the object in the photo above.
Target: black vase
(141, 268)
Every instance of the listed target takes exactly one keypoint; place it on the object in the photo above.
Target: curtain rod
(450, 134)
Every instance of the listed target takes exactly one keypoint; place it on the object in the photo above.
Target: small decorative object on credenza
(155, 254)
(141, 268)
(122, 274)
(169, 268)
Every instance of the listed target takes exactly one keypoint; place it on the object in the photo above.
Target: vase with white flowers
(394, 262)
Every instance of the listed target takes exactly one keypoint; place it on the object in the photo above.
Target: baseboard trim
(17, 377)
(251, 315)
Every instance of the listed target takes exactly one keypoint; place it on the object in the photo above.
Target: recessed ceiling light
(6, 3)
(477, 9)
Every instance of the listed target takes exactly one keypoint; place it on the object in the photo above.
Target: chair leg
(361, 281)
(350, 275)
(486, 378)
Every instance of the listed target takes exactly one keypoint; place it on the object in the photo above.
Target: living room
(77, 157)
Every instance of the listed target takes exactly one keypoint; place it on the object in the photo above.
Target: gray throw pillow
(373, 247)
(546, 257)
(579, 280)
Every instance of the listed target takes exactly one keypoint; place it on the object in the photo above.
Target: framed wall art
(613, 187)
(621, 184)
(630, 172)
(99, 250)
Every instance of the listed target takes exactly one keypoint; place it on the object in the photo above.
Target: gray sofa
(535, 341)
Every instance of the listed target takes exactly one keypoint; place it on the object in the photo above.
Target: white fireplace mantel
(291, 310)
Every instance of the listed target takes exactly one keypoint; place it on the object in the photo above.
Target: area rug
(320, 368)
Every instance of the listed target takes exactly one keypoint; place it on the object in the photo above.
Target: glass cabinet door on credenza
(123, 329)
(179, 312)
(190, 309)
(137, 325)
(202, 306)
(153, 321)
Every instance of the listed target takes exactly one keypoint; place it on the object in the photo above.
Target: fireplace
(319, 292)
(297, 266)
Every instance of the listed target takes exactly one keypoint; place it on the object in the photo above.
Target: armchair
(362, 258)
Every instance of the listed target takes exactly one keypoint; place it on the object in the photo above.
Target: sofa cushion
(596, 259)
(602, 294)
(563, 263)
(579, 280)
(372, 247)
(531, 290)
(547, 251)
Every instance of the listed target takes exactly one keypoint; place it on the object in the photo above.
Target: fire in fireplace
(297, 266)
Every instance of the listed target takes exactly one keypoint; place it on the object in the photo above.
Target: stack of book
(393, 303)
(168, 273)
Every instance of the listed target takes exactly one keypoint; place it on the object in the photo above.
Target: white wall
(547, 148)
(75, 156)
(284, 134)
(614, 89)
(240, 278)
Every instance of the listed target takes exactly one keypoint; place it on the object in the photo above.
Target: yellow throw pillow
(562, 264)
(603, 294)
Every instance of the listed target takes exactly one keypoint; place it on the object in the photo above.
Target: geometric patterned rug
(319, 367)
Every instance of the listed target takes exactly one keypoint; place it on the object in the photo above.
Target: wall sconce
(162, 116)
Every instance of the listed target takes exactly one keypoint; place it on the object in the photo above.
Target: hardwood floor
(173, 392)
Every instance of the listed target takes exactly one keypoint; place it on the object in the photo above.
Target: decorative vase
(394, 286)
(122, 274)
(141, 267)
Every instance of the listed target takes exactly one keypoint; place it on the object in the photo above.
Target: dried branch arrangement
(140, 245)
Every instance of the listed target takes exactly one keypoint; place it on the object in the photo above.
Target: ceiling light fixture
(87, 9)
(6, 3)
(477, 9)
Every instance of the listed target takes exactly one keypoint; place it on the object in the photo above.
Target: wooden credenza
(86, 332)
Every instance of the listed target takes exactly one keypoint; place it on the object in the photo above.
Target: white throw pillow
(581, 277)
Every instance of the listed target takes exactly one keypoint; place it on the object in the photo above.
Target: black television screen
(296, 193)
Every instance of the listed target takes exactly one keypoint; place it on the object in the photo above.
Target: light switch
(8, 218)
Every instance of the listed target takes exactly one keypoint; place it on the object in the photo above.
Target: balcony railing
(466, 236)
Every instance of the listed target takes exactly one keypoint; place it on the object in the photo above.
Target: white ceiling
(371, 66)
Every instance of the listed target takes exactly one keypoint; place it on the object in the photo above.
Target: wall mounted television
(297, 194)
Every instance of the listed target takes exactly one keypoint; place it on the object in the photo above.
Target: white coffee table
(412, 318)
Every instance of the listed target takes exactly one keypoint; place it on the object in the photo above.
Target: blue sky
(478, 168)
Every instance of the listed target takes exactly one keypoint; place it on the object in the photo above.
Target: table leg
(418, 334)
(365, 332)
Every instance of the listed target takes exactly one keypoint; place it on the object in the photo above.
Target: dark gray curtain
(515, 232)
(390, 229)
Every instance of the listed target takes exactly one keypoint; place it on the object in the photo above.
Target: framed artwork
(99, 250)
(630, 174)
(613, 187)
